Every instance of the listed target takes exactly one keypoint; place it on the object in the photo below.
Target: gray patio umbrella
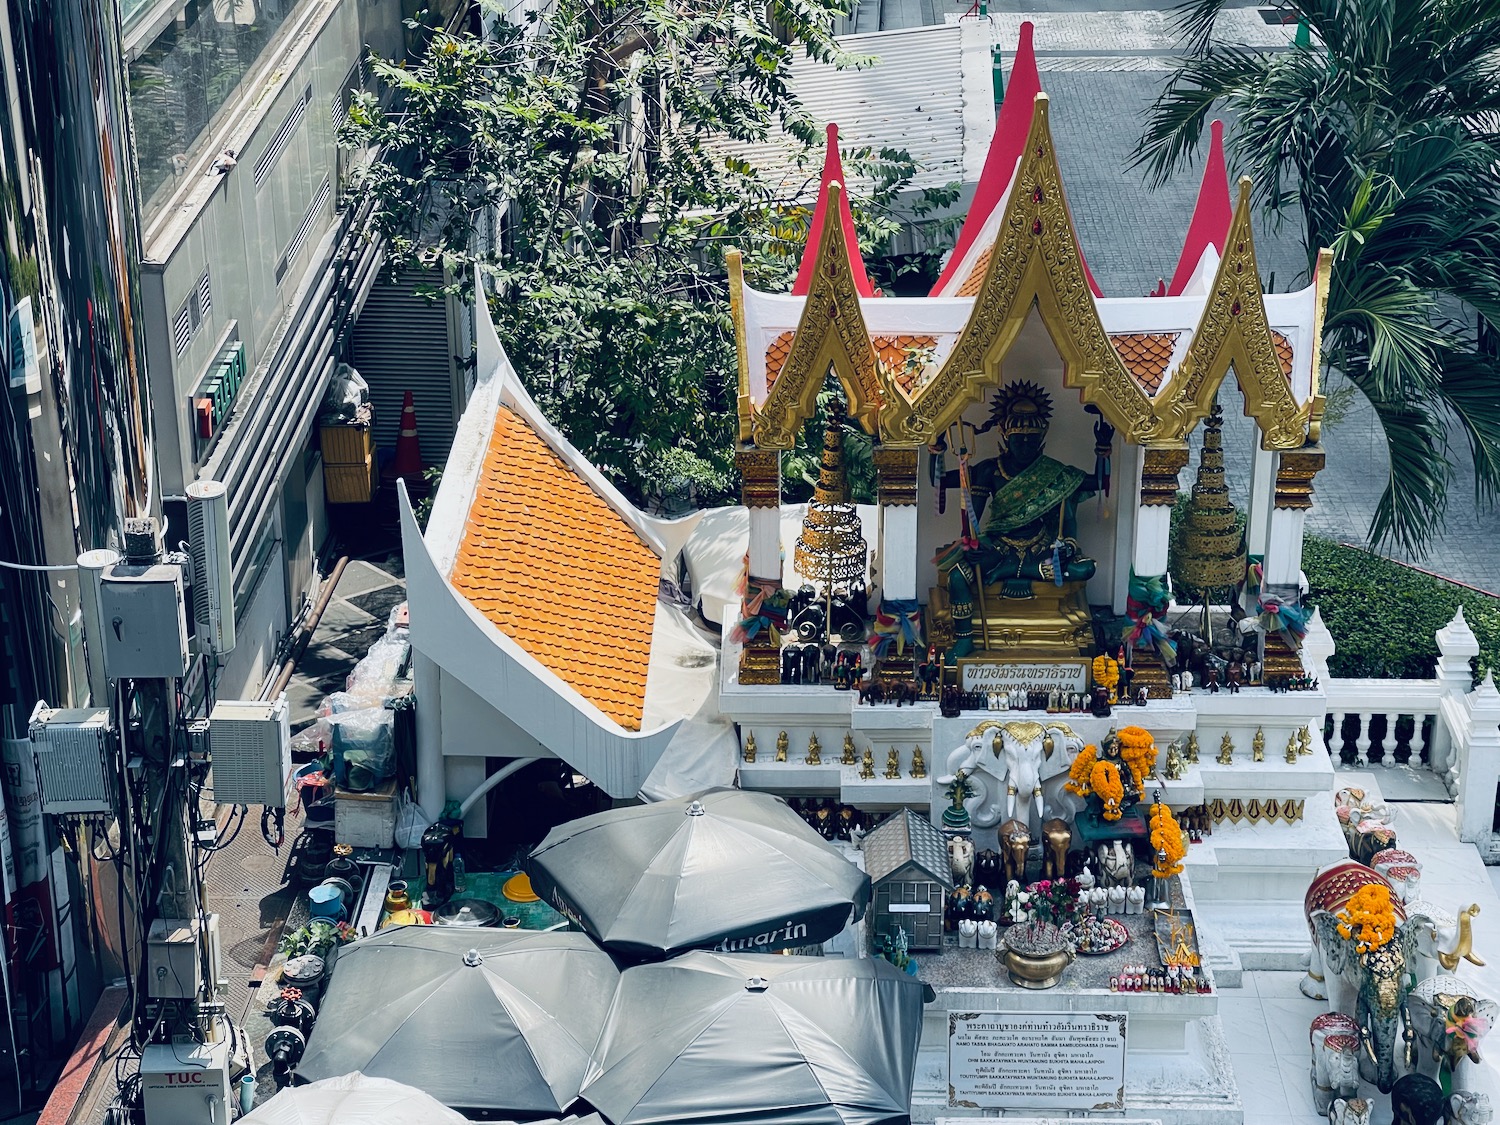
(724, 868)
(756, 1040)
(480, 1019)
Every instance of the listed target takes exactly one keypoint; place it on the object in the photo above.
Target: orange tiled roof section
(1283, 352)
(776, 352)
(559, 572)
(970, 287)
(891, 351)
(1146, 354)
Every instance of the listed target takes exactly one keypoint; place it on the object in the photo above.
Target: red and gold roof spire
(1211, 216)
(833, 172)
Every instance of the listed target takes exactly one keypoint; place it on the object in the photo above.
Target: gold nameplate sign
(986, 674)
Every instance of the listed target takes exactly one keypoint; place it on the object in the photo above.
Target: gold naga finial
(1463, 948)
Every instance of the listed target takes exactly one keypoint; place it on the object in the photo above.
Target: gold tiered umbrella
(1210, 549)
(832, 548)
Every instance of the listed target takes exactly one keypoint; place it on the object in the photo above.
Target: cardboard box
(365, 820)
(350, 484)
(346, 445)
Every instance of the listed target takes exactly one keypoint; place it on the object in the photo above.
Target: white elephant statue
(1449, 1022)
(1442, 940)
(1350, 1111)
(961, 860)
(1002, 762)
(1334, 1038)
(1116, 863)
(1469, 1108)
(968, 933)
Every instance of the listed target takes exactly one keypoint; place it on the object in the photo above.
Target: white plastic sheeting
(353, 1099)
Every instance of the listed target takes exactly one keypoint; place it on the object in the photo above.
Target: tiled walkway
(1265, 1022)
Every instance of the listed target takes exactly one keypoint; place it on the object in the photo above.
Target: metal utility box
(73, 748)
(174, 966)
(251, 746)
(907, 861)
(186, 1083)
(144, 623)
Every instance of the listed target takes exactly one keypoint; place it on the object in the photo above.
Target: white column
(898, 552)
(765, 542)
(1262, 496)
(432, 784)
(1153, 524)
(1284, 547)
(1362, 740)
(1479, 766)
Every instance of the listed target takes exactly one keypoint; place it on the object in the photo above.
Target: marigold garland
(1078, 773)
(1138, 751)
(1166, 841)
(1106, 672)
(1369, 918)
(1104, 780)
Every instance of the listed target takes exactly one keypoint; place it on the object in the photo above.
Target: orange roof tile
(559, 572)
(776, 353)
(1146, 354)
(1283, 352)
(970, 287)
(891, 352)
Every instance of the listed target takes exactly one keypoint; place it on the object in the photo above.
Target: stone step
(1261, 934)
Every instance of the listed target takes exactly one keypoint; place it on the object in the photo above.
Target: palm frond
(1182, 110)
(1468, 390)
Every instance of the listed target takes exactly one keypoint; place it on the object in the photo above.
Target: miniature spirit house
(907, 861)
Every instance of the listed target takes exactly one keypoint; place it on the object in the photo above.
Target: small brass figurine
(1226, 750)
(814, 751)
(867, 766)
(1192, 750)
(1174, 768)
(1291, 749)
(1258, 746)
(918, 766)
(848, 757)
(750, 746)
(1304, 740)
(893, 764)
(781, 744)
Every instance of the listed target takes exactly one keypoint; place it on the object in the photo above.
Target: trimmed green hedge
(1383, 615)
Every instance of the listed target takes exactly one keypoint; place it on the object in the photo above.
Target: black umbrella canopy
(724, 868)
(479, 1019)
(756, 1040)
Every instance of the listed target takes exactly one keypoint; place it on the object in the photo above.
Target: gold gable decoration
(1035, 260)
(1234, 332)
(830, 332)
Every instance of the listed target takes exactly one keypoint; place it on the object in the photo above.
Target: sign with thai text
(988, 675)
(1036, 1060)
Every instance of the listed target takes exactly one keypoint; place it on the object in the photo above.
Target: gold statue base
(760, 664)
(1281, 660)
(902, 667)
(1054, 621)
(1150, 674)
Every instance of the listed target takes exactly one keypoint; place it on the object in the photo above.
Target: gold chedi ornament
(750, 746)
(867, 766)
(848, 756)
(1208, 553)
(814, 751)
(1192, 750)
(918, 765)
(1258, 746)
(1226, 750)
(831, 549)
(893, 764)
(782, 742)
(1291, 748)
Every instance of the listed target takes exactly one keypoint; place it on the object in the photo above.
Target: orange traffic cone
(408, 461)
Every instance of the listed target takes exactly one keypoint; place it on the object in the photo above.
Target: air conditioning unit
(213, 581)
(143, 622)
(73, 748)
(251, 748)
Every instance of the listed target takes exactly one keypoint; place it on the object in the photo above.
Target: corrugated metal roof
(929, 93)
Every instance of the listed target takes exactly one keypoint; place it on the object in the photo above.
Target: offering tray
(1112, 930)
(1176, 937)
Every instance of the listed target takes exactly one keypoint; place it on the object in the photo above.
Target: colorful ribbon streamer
(1145, 607)
(898, 624)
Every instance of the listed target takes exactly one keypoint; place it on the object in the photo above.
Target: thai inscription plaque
(1036, 1060)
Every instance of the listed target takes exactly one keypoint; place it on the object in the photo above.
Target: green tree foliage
(1381, 137)
(600, 135)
